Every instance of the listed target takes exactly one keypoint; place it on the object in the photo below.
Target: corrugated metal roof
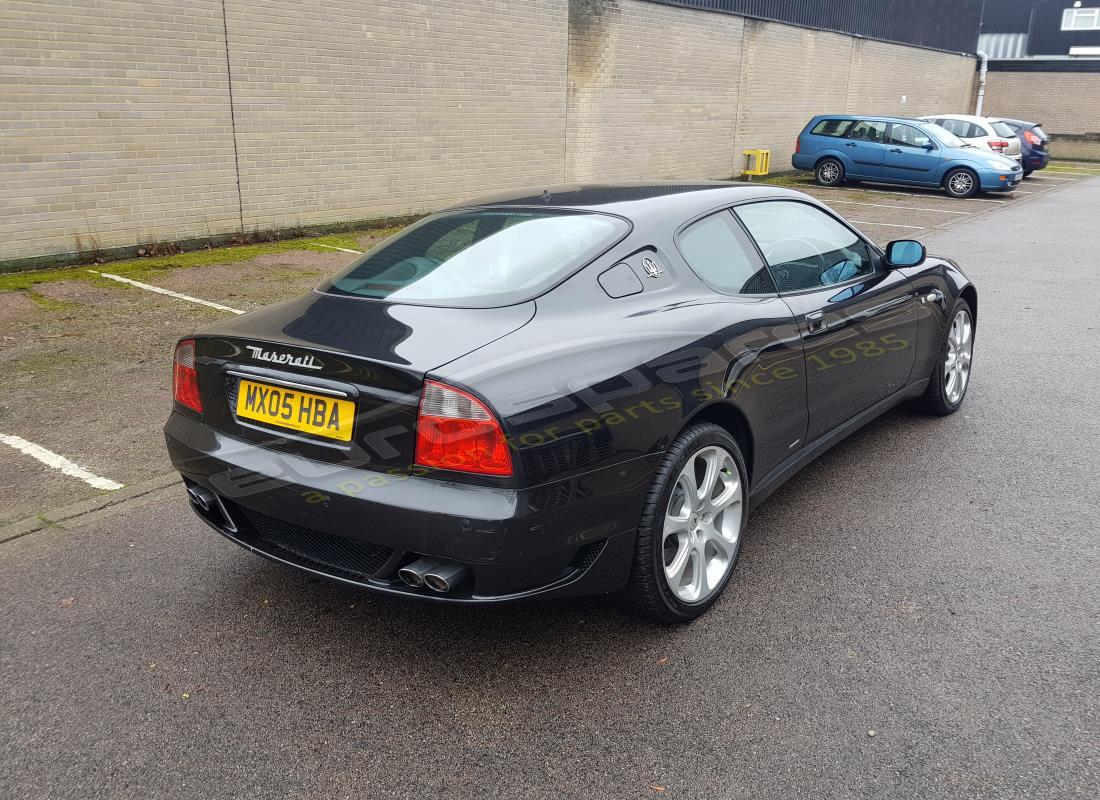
(1003, 45)
(950, 25)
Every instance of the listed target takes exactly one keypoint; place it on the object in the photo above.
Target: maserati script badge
(306, 362)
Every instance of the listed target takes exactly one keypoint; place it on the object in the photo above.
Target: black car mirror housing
(905, 253)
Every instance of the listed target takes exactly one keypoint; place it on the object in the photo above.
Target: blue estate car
(839, 147)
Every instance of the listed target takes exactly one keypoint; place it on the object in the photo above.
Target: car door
(911, 155)
(865, 147)
(857, 319)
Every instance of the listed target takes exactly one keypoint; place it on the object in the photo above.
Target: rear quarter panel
(593, 381)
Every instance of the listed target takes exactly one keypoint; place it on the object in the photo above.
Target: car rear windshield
(1002, 129)
(479, 258)
(832, 127)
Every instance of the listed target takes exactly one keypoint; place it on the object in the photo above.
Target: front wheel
(951, 373)
(961, 183)
(1028, 172)
(829, 172)
(690, 532)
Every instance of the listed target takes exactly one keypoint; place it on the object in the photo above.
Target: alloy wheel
(960, 351)
(702, 525)
(961, 183)
(829, 172)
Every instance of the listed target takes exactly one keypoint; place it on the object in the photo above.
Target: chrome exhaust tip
(413, 574)
(201, 498)
(445, 577)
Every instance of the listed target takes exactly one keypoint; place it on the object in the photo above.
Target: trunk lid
(364, 357)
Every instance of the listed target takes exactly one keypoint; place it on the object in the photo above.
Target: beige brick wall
(349, 109)
(114, 124)
(115, 117)
(1064, 102)
(789, 74)
(652, 91)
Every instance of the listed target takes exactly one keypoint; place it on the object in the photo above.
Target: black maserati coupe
(576, 390)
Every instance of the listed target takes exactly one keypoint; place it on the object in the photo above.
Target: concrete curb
(67, 516)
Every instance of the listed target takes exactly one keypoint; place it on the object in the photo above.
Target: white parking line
(914, 194)
(1046, 177)
(168, 292)
(902, 208)
(886, 224)
(52, 459)
(341, 249)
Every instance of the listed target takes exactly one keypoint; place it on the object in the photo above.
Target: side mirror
(928, 146)
(905, 253)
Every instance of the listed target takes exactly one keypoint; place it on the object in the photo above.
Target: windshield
(945, 137)
(479, 258)
(1002, 129)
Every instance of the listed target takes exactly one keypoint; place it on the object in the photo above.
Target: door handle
(895, 150)
(934, 296)
(815, 322)
(850, 144)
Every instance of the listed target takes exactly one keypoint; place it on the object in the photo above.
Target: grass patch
(49, 303)
(141, 268)
(791, 179)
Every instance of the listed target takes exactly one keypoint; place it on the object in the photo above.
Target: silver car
(981, 132)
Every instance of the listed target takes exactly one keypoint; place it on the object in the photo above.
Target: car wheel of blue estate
(961, 183)
(829, 172)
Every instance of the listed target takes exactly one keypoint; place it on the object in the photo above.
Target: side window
(832, 127)
(868, 131)
(805, 247)
(721, 253)
(908, 136)
(974, 131)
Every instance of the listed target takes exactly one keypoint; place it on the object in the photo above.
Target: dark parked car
(574, 391)
(1033, 143)
(910, 152)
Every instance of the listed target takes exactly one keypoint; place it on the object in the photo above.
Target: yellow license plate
(320, 415)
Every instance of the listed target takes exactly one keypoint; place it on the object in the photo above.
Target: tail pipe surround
(434, 573)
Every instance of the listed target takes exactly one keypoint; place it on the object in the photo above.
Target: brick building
(131, 121)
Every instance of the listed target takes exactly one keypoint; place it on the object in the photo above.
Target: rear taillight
(454, 430)
(798, 145)
(1032, 139)
(185, 381)
(998, 145)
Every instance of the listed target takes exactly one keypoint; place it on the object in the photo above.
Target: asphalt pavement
(913, 615)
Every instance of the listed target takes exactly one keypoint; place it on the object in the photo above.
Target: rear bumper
(803, 161)
(569, 537)
(1036, 160)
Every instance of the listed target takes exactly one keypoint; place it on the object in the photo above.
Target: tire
(1028, 172)
(942, 397)
(961, 183)
(710, 540)
(829, 172)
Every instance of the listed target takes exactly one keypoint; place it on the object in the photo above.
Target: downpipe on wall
(982, 72)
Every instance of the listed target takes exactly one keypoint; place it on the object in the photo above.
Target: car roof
(963, 117)
(634, 200)
(871, 117)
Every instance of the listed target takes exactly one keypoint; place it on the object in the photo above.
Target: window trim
(1070, 16)
(877, 254)
(728, 209)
